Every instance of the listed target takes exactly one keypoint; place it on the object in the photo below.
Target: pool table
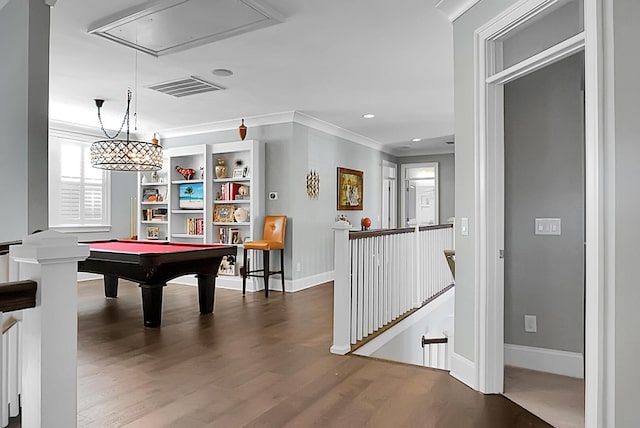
(151, 265)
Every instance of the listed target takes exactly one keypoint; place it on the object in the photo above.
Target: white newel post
(341, 290)
(50, 330)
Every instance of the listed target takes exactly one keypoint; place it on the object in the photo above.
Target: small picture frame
(151, 195)
(245, 172)
(238, 173)
(227, 265)
(223, 213)
(350, 189)
(235, 237)
(153, 232)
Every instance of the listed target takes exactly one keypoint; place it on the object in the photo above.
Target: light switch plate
(464, 226)
(548, 226)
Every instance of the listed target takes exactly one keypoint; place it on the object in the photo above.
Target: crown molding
(226, 125)
(454, 8)
(273, 119)
(336, 131)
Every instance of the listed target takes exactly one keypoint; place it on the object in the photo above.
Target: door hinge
(501, 254)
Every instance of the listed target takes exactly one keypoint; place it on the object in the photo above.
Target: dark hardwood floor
(255, 362)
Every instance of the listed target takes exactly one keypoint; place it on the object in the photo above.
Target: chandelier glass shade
(125, 154)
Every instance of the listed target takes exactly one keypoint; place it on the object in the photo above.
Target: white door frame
(403, 178)
(489, 190)
(393, 197)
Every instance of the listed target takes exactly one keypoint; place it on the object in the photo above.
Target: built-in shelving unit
(207, 208)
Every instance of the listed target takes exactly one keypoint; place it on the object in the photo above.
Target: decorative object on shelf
(153, 232)
(245, 172)
(187, 173)
(201, 173)
(124, 154)
(227, 265)
(350, 189)
(238, 173)
(222, 235)
(221, 168)
(365, 223)
(223, 213)
(313, 184)
(243, 191)
(191, 196)
(143, 180)
(235, 237)
(243, 130)
(344, 219)
(154, 177)
(241, 215)
(150, 195)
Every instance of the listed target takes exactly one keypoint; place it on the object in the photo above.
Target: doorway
(388, 217)
(420, 199)
(544, 241)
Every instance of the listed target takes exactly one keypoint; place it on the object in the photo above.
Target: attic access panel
(168, 26)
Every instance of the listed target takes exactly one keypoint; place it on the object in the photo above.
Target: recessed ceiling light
(415, 140)
(368, 116)
(222, 72)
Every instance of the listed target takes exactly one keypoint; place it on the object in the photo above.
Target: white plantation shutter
(78, 193)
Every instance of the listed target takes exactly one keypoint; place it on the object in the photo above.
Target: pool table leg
(110, 286)
(152, 304)
(206, 293)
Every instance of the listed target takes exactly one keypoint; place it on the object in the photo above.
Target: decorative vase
(241, 215)
(243, 130)
(221, 168)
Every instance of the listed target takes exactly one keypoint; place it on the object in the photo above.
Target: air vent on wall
(187, 86)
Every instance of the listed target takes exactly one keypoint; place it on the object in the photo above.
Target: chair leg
(282, 267)
(244, 272)
(265, 262)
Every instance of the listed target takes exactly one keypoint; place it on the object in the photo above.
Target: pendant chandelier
(125, 155)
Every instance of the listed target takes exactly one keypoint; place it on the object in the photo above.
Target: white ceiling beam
(454, 8)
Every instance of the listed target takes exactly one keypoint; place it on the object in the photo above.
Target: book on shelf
(232, 191)
(195, 226)
(155, 214)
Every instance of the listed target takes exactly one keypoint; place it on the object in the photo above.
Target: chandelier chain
(125, 119)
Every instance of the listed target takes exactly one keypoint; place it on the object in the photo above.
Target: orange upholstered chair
(272, 239)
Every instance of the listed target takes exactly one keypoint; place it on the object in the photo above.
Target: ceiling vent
(167, 26)
(184, 87)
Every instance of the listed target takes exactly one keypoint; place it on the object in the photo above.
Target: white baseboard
(256, 284)
(545, 360)
(86, 276)
(463, 370)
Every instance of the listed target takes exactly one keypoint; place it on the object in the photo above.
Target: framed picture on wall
(350, 189)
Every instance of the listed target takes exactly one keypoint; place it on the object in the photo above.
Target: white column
(50, 330)
(341, 290)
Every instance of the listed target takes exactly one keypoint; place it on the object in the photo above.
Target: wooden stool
(272, 239)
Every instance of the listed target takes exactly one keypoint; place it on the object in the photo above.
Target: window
(79, 196)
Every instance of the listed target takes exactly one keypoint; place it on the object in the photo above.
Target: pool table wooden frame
(152, 265)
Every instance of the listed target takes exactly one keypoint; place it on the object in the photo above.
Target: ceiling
(333, 60)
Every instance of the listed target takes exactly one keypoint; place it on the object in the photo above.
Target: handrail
(17, 295)
(426, 341)
(360, 234)
(4, 246)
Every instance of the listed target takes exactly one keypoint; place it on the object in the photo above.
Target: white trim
(255, 285)
(82, 229)
(87, 276)
(489, 310)
(463, 370)
(403, 179)
(226, 125)
(545, 360)
(455, 8)
(553, 54)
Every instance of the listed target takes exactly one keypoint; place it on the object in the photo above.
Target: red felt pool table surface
(137, 247)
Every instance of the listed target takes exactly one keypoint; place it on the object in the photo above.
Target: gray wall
(544, 173)
(24, 100)
(446, 181)
(626, 15)
(463, 34)
(291, 150)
